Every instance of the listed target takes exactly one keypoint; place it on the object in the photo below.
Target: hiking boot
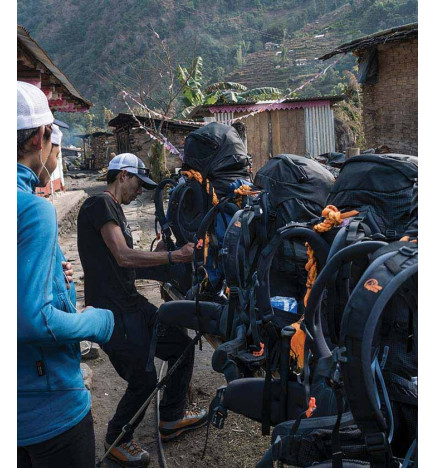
(128, 454)
(191, 420)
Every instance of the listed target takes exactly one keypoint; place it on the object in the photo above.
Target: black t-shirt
(107, 285)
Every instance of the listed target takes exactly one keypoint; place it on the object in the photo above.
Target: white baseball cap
(56, 135)
(132, 164)
(32, 107)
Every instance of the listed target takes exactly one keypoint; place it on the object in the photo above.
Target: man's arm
(38, 321)
(132, 258)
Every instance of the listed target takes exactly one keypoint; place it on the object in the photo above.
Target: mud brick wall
(140, 144)
(390, 107)
(101, 150)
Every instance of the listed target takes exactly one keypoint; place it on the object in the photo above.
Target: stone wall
(139, 143)
(390, 107)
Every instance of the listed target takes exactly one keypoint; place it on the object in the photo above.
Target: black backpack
(372, 322)
(380, 187)
(214, 157)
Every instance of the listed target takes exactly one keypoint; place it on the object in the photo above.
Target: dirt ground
(240, 444)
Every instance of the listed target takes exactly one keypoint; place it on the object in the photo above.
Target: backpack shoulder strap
(360, 322)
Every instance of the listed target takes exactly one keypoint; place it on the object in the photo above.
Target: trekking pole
(160, 385)
(286, 336)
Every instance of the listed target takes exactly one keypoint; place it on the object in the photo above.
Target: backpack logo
(372, 285)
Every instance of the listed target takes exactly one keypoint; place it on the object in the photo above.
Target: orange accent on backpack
(259, 353)
(372, 285)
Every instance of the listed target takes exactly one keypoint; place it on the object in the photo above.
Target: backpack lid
(377, 172)
(287, 176)
(214, 149)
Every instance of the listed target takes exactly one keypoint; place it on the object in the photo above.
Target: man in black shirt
(109, 262)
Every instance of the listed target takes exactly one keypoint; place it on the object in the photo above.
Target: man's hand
(68, 272)
(184, 255)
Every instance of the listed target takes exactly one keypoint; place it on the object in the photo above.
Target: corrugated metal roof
(249, 106)
(38, 52)
(401, 33)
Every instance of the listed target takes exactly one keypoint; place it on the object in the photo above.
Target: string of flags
(170, 147)
(153, 135)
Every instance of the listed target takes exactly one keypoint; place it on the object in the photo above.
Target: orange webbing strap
(198, 177)
(311, 407)
(408, 239)
(242, 191)
(297, 344)
(204, 243)
(311, 268)
(333, 217)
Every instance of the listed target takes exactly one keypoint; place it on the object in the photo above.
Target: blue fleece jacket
(52, 397)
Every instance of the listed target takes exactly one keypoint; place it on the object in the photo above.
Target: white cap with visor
(32, 107)
(132, 164)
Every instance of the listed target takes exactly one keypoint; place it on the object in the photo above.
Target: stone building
(388, 73)
(296, 126)
(131, 138)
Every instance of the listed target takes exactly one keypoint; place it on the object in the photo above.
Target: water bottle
(286, 304)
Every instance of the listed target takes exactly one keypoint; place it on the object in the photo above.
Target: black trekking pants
(128, 351)
(74, 448)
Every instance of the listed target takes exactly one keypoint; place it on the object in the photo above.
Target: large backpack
(214, 157)
(379, 386)
(380, 187)
(259, 311)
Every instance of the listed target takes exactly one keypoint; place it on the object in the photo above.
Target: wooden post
(352, 152)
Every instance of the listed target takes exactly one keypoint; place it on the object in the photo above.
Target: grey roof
(400, 33)
(39, 53)
(123, 119)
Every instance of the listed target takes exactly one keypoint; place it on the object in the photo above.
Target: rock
(87, 375)
(93, 353)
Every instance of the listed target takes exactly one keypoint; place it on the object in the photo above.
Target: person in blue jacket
(55, 427)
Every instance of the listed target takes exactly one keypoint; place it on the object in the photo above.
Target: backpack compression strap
(184, 228)
(361, 319)
(160, 212)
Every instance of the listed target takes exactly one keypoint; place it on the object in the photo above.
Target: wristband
(171, 262)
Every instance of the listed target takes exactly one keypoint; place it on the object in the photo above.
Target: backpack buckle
(407, 251)
(218, 417)
(390, 233)
(338, 354)
(223, 251)
(257, 211)
(217, 411)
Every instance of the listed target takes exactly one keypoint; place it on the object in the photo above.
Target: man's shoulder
(31, 205)
(97, 202)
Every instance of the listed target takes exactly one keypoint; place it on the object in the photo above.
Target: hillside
(105, 46)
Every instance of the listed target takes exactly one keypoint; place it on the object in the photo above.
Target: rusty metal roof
(400, 33)
(128, 120)
(40, 55)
